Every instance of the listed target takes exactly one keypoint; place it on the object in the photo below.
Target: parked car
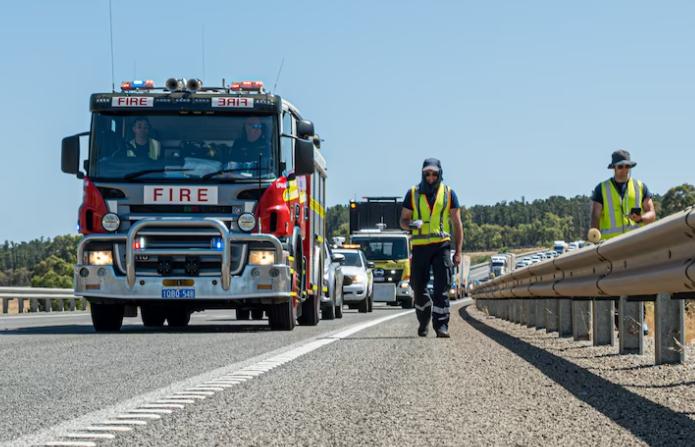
(332, 296)
(358, 280)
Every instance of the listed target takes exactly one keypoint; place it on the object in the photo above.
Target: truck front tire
(107, 317)
(281, 316)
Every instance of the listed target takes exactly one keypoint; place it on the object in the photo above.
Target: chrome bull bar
(226, 236)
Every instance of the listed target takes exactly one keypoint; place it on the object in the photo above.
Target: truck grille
(385, 275)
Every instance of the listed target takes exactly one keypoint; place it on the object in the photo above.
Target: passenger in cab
(253, 142)
(142, 145)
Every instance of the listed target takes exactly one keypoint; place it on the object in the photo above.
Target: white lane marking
(72, 443)
(150, 407)
(90, 435)
(47, 315)
(144, 414)
(123, 422)
(174, 401)
(239, 372)
(108, 428)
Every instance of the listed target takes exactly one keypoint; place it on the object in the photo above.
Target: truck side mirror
(337, 257)
(70, 156)
(370, 265)
(303, 157)
(305, 129)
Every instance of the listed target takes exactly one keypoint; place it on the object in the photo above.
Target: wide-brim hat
(621, 157)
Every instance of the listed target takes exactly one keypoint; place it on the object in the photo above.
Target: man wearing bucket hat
(430, 210)
(621, 203)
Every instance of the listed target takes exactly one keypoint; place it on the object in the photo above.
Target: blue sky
(516, 98)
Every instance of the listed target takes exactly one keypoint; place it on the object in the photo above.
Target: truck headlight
(261, 257)
(246, 222)
(101, 257)
(111, 222)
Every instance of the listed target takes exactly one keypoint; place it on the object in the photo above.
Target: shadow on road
(138, 329)
(655, 424)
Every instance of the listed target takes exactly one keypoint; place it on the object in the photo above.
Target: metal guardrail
(575, 293)
(36, 294)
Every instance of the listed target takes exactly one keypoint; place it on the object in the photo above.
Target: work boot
(443, 332)
(422, 330)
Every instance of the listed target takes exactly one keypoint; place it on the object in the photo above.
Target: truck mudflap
(267, 282)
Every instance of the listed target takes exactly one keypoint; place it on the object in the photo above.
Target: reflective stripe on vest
(616, 209)
(153, 152)
(435, 222)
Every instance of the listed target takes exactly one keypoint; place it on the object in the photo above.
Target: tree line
(520, 224)
(49, 262)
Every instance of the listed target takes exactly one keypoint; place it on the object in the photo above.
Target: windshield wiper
(225, 171)
(137, 174)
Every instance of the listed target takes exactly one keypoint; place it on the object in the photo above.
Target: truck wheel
(364, 306)
(407, 303)
(107, 317)
(257, 314)
(152, 315)
(178, 317)
(243, 314)
(310, 311)
(328, 312)
(281, 317)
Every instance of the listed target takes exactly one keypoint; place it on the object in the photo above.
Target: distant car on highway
(358, 281)
(332, 296)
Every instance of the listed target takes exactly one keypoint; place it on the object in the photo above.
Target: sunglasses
(255, 126)
(431, 174)
(621, 167)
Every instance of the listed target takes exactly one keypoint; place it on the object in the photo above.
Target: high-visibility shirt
(616, 209)
(436, 225)
(154, 149)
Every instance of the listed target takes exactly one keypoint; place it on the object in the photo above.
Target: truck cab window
(287, 145)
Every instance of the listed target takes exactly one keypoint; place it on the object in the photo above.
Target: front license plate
(178, 293)
(379, 279)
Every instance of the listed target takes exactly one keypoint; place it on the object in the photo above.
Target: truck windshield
(170, 147)
(382, 249)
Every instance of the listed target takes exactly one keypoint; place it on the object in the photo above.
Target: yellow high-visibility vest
(436, 225)
(154, 149)
(614, 217)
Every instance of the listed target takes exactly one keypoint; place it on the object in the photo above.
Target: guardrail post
(5, 305)
(33, 305)
(515, 311)
(20, 305)
(581, 319)
(506, 308)
(540, 313)
(669, 318)
(551, 314)
(71, 304)
(604, 323)
(530, 312)
(47, 305)
(564, 311)
(630, 321)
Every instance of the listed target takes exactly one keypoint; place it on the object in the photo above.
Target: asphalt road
(365, 380)
(55, 368)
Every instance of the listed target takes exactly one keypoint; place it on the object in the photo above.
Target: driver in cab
(142, 145)
(252, 143)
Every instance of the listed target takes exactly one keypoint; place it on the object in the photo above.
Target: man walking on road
(429, 211)
(622, 203)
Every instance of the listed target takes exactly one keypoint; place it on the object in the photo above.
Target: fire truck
(374, 227)
(196, 198)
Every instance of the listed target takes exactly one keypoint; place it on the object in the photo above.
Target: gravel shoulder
(491, 384)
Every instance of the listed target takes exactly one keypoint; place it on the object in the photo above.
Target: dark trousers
(436, 257)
